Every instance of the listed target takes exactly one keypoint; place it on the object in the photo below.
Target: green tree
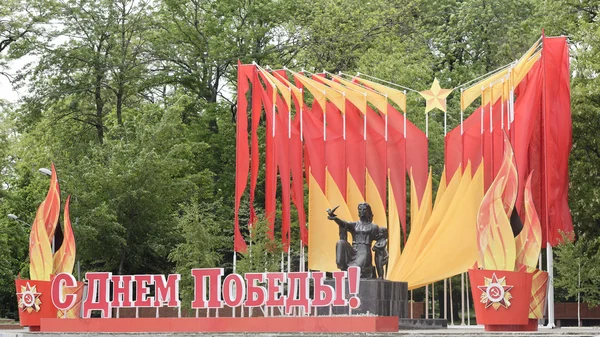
(201, 241)
(263, 254)
(578, 269)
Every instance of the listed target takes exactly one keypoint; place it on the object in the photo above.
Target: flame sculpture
(529, 241)
(44, 225)
(498, 248)
(494, 235)
(42, 263)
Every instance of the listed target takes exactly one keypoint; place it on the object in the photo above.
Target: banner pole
(462, 299)
(234, 271)
(445, 299)
(451, 307)
(426, 301)
(433, 300)
(468, 309)
(549, 262)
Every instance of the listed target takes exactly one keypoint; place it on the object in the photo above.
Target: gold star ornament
(495, 293)
(29, 299)
(435, 97)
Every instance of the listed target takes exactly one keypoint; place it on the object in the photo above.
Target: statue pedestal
(377, 297)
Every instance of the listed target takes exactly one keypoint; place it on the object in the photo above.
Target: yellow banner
(321, 93)
(394, 231)
(353, 195)
(283, 89)
(322, 233)
(297, 92)
(357, 98)
(378, 101)
(394, 95)
(376, 202)
(492, 86)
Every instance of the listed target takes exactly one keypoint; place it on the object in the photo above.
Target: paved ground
(452, 332)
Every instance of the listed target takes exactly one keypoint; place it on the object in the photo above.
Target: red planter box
(502, 298)
(35, 302)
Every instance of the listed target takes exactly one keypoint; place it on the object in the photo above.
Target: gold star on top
(435, 97)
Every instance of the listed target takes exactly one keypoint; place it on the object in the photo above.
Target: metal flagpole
(451, 307)
(404, 119)
(482, 108)
(411, 304)
(502, 106)
(445, 299)
(462, 113)
(468, 308)
(549, 262)
(433, 300)
(289, 254)
(462, 276)
(427, 302)
(289, 145)
(445, 124)
(426, 125)
(234, 270)
(445, 280)
(491, 107)
(462, 299)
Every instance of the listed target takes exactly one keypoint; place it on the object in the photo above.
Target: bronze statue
(364, 232)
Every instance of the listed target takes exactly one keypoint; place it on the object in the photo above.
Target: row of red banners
(540, 133)
(355, 153)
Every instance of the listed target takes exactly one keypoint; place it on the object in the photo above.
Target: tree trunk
(119, 105)
(99, 108)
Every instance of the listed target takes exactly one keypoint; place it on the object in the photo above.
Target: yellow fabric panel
(524, 64)
(393, 272)
(394, 95)
(472, 93)
(421, 241)
(379, 101)
(442, 186)
(520, 74)
(517, 73)
(358, 98)
(439, 212)
(324, 93)
(394, 231)
(322, 233)
(422, 216)
(376, 202)
(353, 196)
(317, 91)
(283, 89)
(335, 198)
(453, 248)
(418, 218)
(295, 90)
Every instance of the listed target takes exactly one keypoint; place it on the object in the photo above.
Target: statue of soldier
(364, 232)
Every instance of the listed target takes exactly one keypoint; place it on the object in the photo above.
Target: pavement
(452, 331)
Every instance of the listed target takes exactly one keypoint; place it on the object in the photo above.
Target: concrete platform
(421, 324)
(451, 331)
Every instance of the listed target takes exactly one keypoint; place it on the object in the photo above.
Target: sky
(7, 91)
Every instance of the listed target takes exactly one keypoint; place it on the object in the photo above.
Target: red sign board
(501, 297)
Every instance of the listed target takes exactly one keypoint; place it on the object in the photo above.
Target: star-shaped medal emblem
(495, 292)
(29, 299)
(435, 97)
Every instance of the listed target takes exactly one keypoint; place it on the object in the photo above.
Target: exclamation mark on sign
(353, 285)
